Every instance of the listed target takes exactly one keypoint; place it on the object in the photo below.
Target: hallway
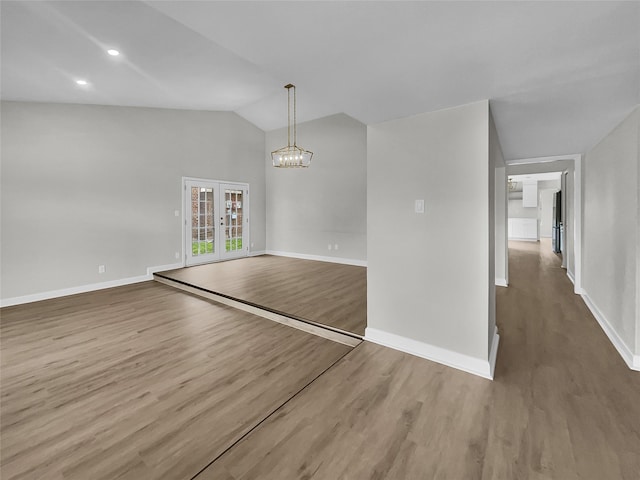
(573, 409)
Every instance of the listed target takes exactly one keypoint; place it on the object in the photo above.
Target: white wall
(545, 212)
(308, 209)
(497, 219)
(501, 251)
(516, 210)
(611, 222)
(568, 200)
(546, 190)
(636, 359)
(420, 264)
(87, 185)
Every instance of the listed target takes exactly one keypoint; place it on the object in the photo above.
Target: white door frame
(184, 219)
(244, 187)
(542, 164)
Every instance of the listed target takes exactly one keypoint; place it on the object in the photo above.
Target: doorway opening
(536, 209)
(216, 225)
(570, 167)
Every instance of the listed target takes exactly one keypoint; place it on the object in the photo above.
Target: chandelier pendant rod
(289, 87)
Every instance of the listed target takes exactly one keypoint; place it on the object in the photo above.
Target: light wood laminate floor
(563, 404)
(325, 293)
(141, 382)
(115, 384)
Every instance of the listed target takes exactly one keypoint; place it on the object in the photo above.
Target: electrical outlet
(101, 269)
(329, 246)
(335, 247)
(251, 244)
(176, 213)
(177, 255)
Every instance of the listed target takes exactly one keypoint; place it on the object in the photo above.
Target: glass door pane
(234, 221)
(216, 226)
(201, 211)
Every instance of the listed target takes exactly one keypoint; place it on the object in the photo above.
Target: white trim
(527, 161)
(501, 282)
(64, 292)
(257, 253)
(319, 258)
(577, 207)
(493, 354)
(577, 224)
(632, 361)
(163, 268)
(571, 277)
(183, 220)
(522, 239)
(218, 185)
(198, 179)
(36, 297)
(476, 366)
(246, 227)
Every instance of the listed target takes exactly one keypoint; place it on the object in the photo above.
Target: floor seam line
(262, 307)
(246, 434)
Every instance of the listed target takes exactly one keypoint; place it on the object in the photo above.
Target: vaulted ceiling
(559, 75)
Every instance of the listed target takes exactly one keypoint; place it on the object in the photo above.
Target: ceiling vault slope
(559, 75)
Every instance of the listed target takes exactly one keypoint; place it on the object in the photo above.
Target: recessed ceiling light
(82, 82)
(113, 53)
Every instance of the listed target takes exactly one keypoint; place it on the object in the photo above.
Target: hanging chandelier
(291, 156)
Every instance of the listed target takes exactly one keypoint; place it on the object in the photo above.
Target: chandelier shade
(291, 156)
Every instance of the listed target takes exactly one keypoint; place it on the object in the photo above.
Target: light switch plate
(419, 207)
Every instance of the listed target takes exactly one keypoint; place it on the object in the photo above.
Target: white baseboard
(519, 239)
(64, 292)
(163, 268)
(633, 361)
(571, 277)
(476, 366)
(493, 354)
(319, 258)
(501, 282)
(257, 253)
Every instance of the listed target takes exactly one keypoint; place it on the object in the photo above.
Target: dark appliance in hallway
(556, 226)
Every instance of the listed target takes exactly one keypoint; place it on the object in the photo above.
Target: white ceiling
(559, 76)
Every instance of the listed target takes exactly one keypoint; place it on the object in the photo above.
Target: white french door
(233, 224)
(216, 220)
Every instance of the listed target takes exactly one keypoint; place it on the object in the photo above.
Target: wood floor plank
(140, 382)
(327, 293)
(323, 331)
(563, 404)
